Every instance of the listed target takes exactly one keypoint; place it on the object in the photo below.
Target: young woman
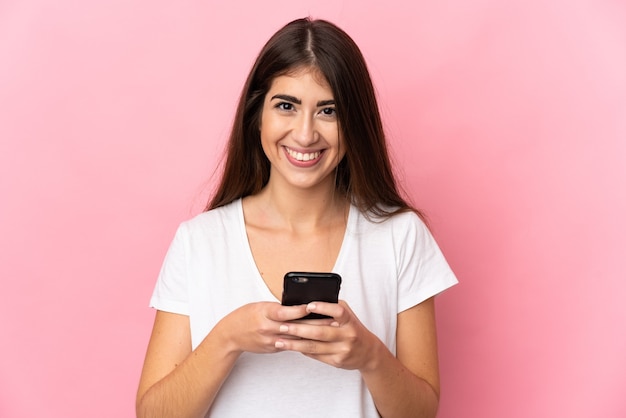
(307, 186)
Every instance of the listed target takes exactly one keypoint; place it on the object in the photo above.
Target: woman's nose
(304, 132)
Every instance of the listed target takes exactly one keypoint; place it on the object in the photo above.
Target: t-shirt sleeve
(171, 290)
(423, 269)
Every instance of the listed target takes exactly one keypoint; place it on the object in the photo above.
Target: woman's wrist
(222, 339)
(379, 353)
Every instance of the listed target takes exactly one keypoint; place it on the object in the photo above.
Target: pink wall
(508, 119)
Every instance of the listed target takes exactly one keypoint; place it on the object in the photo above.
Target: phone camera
(300, 279)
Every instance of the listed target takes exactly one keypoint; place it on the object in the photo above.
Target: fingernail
(284, 328)
(279, 344)
(310, 307)
(334, 324)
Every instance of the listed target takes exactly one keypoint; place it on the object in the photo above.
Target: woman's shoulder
(223, 216)
(391, 217)
(404, 225)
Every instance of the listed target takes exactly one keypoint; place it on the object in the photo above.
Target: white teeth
(303, 157)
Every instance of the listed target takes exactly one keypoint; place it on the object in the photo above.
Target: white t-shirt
(386, 268)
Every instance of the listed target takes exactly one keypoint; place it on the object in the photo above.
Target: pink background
(507, 120)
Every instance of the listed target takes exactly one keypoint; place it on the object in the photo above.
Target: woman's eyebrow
(287, 98)
(325, 103)
(295, 100)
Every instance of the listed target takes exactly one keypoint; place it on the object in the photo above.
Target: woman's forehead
(314, 71)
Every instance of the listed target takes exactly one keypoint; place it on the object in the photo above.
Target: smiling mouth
(303, 156)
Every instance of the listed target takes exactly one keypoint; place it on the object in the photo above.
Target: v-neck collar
(258, 279)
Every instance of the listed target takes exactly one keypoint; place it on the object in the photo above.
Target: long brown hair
(364, 176)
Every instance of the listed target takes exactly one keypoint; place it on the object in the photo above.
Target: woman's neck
(299, 209)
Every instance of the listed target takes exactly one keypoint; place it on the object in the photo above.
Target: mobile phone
(300, 288)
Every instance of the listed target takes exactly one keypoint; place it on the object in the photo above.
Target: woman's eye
(284, 106)
(329, 111)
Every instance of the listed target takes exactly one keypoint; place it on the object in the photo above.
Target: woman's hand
(256, 327)
(341, 341)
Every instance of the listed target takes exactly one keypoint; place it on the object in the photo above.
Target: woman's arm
(174, 381)
(406, 385)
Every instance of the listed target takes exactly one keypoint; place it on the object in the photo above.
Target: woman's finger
(311, 332)
(281, 313)
(335, 310)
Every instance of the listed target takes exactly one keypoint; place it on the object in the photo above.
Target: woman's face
(300, 130)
